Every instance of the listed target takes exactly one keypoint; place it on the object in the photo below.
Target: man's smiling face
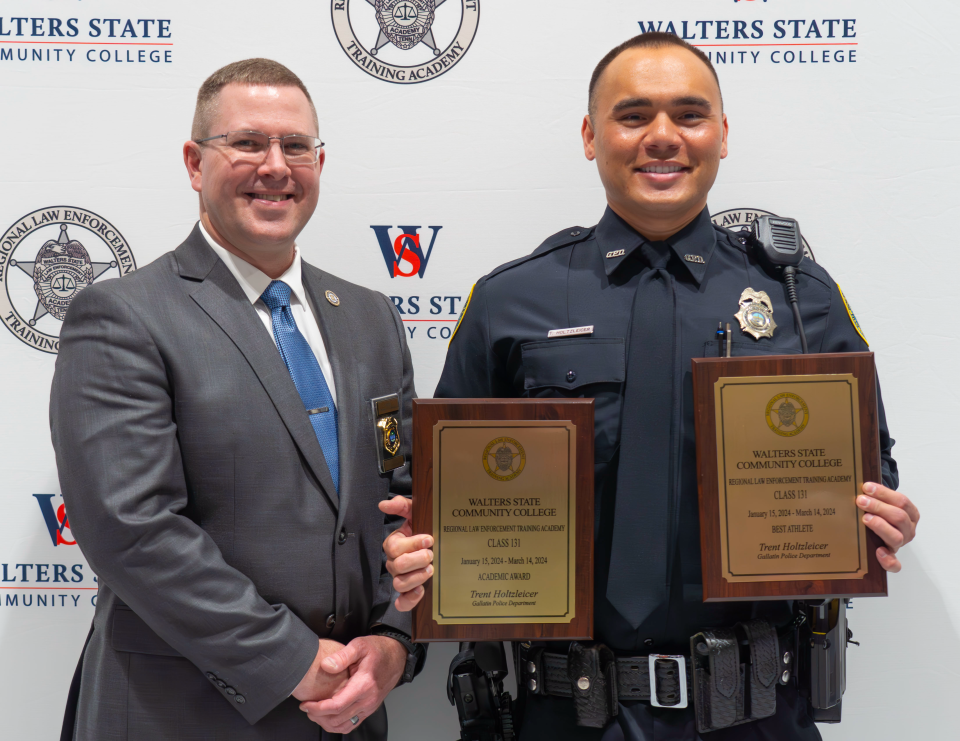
(257, 208)
(658, 132)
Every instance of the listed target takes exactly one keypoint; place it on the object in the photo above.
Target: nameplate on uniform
(570, 331)
(784, 445)
(505, 486)
(387, 432)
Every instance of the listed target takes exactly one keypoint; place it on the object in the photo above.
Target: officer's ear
(723, 143)
(586, 131)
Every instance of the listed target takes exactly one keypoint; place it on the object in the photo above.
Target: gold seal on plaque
(756, 314)
(391, 434)
(787, 414)
(504, 458)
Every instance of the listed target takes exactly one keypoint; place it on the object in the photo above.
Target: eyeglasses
(252, 146)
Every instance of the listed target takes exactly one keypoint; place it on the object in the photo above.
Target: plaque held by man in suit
(505, 487)
(784, 445)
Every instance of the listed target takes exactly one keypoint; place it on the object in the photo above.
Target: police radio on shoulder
(779, 246)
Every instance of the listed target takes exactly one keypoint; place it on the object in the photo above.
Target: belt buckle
(681, 670)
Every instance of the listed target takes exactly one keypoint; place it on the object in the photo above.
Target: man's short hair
(256, 71)
(649, 40)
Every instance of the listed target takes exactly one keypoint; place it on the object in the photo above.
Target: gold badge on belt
(756, 314)
(387, 431)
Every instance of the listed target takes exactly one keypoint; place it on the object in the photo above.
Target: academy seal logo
(46, 258)
(504, 458)
(787, 414)
(405, 41)
(740, 220)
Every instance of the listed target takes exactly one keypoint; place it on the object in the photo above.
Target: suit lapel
(222, 299)
(337, 336)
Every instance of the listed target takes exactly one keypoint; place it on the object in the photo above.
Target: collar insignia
(756, 314)
(695, 258)
(616, 253)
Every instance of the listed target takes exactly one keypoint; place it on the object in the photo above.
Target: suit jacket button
(571, 376)
(331, 621)
(342, 537)
(240, 699)
(221, 684)
(230, 691)
(211, 676)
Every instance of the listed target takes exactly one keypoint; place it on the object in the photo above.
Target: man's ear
(586, 131)
(193, 161)
(723, 144)
(320, 160)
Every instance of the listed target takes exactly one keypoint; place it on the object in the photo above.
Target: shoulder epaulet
(567, 236)
(735, 238)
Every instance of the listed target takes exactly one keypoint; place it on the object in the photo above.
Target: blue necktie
(306, 374)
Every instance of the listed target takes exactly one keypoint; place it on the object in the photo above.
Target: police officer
(643, 291)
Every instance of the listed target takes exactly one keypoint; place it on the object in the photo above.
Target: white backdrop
(862, 152)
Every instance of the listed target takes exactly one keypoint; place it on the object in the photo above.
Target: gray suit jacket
(200, 496)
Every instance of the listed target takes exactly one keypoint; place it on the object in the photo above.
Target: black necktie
(637, 583)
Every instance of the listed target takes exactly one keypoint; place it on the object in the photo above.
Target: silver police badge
(405, 23)
(756, 314)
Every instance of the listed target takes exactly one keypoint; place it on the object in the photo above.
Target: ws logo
(404, 255)
(55, 520)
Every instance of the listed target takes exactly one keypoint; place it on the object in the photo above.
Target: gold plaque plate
(503, 517)
(790, 471)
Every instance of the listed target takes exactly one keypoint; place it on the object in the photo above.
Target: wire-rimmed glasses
(252, 146)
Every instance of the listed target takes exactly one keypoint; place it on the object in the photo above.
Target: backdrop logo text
(405, 41)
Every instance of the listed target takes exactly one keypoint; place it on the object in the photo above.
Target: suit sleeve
(401, 483)
(121, 475)
(472, 369)
(842, 335)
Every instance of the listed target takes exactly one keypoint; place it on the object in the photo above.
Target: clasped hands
(347, 682)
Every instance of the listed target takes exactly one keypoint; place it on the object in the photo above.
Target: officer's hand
(408, 555)
(893, 517)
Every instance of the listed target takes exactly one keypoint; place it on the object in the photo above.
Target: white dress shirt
(254, 282)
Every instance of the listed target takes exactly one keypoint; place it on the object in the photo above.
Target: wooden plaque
(784, 443)
(505, 487)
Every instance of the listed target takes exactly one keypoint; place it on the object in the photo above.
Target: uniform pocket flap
(134, 636)
(573, 362)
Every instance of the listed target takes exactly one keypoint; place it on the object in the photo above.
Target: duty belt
(729, 679)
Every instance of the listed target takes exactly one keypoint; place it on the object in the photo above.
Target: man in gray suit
(215, 439)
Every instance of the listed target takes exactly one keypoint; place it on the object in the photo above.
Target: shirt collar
(694, 244)
(254, 281)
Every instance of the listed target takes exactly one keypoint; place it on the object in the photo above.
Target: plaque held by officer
(784, 445)
(505, 488)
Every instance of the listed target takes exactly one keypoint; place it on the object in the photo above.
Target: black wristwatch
(416, 652)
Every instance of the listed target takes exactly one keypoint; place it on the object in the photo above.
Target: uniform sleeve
(843, 334)
(471, 369)
(121, 474)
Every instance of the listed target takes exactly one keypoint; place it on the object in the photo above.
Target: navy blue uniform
(582, 277)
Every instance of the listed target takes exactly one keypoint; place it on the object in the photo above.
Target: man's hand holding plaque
(409, 556)
(892, 516)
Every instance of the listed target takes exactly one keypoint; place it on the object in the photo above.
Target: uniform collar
(254, 281)
(693, 245)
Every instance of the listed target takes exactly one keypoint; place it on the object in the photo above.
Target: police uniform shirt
(584, 277)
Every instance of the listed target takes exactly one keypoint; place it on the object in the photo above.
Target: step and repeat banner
(453, 145)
